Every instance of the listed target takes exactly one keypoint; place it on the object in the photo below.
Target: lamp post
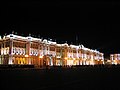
(65, 61)
(27, 60)
(40, 58)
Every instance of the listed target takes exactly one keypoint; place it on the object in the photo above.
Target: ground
(106, 77)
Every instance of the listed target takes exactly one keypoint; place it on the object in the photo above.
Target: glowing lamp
(26, 55)
(40, 56)
(66, 58)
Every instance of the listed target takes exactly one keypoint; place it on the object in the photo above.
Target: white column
(11, 52)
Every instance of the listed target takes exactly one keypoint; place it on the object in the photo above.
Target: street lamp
(40, 62)
(66, 58)
(40, 56)
(26, 56)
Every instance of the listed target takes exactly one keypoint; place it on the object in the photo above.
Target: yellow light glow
(40, 56)
(108, 61)
(26, 55)
(66, 58)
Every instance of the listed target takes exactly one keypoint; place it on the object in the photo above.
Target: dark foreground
(81, 78)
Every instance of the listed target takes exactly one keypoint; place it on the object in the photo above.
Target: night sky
(95, 24)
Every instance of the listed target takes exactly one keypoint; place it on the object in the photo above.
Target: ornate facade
(16, 49)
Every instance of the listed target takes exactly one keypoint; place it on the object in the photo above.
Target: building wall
(28, 50)
(115, 59)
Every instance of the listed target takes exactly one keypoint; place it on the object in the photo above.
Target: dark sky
(96, 24)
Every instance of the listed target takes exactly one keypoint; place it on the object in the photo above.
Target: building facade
(115, 59)
(16, 49)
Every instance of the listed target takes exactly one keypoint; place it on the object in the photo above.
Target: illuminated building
(115, 59)
(16, 49)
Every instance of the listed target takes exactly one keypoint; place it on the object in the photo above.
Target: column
(11, 52)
